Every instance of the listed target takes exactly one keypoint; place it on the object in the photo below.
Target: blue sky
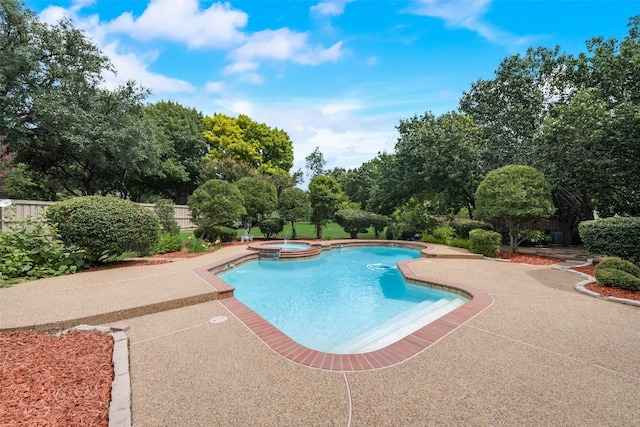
(336, 74)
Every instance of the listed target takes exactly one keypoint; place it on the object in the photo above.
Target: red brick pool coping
(398, 352)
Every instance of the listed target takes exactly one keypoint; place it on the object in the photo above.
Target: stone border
(120, 404)
(580, 286)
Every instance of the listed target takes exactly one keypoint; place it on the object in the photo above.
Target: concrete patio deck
(542, 354)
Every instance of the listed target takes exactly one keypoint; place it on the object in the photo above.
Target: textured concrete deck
(542, 354)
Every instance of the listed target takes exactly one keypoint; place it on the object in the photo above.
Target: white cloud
(467, 15)
(281, 45)
(183, 21)
(330, 8)
(213, 87)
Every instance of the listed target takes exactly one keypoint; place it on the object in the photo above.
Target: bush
(484, 242)
(618, 273)
(32, 250)
(105, 226)
(211, 234)
(444, 233)
(618, 264)
(196, 245)
(271, 226)
(463, 227)
(617, 237)
(166, 216)
(168, 243)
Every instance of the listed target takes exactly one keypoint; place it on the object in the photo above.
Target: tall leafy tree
(65, 126)
(441, 156)
(315, 163)
(511, 107)
(245, 141)
(182, 128)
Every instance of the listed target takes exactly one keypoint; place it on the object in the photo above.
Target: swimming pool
(346, 301)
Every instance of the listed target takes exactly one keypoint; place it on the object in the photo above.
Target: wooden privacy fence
(21, 209)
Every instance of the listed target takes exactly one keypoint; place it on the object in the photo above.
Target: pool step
(399, 326)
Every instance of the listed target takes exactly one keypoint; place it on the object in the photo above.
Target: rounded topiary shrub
(618, 273)
(105, 226)
(485, 242)
(617, 237)
(271, 226)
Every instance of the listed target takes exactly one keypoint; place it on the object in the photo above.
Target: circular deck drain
(218, 319)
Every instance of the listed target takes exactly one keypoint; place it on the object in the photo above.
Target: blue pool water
(340, 301)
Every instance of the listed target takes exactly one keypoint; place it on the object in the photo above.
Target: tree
(216, 203)
(182, 127)
(516, 196)
(315, 163)
(512, 107)
(294, 206)
(324, 194)
(64, 125)
(441, 156)
(225, 169)
(267, 150)
(354, 221)
(260, 199)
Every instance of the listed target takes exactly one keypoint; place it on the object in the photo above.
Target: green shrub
(196, 245)
(618, 264)
(458, 242)
(105, 226)
(444, 233)
(401, 232)
(211, 234)
(463, 227)
(617, 237)
(166, 216)
(484, 242)
(168, 243)
(618, 279)
(32, 250)
(271, 226)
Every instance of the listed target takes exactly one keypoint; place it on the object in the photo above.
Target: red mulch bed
(527, 258)
(47, 380)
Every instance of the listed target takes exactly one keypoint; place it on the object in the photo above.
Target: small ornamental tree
(516, 196)
(216, 203)
(353, 221)
(324, 194)
(378, 222)
(260, 199)
(294, 206)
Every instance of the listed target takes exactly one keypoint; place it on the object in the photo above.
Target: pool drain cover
(218, 319)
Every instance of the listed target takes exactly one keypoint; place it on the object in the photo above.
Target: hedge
(618, 273)
(616, 237)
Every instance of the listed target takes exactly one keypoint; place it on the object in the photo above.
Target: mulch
(527, 258)
(49, 380)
